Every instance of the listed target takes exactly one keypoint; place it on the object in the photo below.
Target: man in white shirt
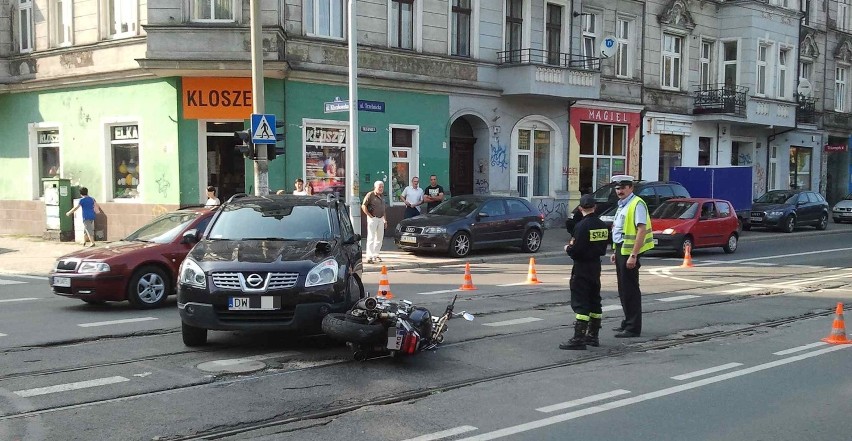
(413, 198)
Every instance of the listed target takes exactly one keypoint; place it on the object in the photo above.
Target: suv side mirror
(191, 236)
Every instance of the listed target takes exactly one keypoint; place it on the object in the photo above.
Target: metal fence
(555, 59)
(721, 99)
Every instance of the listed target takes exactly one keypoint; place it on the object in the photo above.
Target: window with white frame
(806, 70)
(45, 155)
(840, 89)
(514, 29)
(533, 155)
(62, 30)
(460, 27)
(25, 26)
(403, 160)
(773, 167)
(590, 35)
(212, 10)
(124, 151)
(622, 55)
(843, 18)
(783, 75)
(731, 63)
(762, 62)
(324, 18)
(554, 33)
(603, 153)
(671, 63)
(121, 16)
(706, 65)
(402, 24)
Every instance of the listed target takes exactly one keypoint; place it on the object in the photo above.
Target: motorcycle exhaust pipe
(368, 303)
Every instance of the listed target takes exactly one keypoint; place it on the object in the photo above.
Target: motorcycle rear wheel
(337, 326)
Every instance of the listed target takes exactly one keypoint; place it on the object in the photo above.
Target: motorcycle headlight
(93, 267)
(192, 274)
(669, 231)
(435, 230)
(322, 274)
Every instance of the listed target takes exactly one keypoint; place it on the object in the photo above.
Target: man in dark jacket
(586, 247)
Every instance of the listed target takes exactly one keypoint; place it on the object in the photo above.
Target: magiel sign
(216, 98)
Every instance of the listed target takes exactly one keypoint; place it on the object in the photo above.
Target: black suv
(654, 193)
(786, 209)
(270, 263)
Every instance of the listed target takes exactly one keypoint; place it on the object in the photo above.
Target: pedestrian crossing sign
(262, 128)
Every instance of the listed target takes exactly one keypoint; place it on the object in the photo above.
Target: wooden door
(461, 166)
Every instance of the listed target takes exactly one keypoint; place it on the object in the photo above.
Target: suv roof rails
(236, 196)
(184, 207)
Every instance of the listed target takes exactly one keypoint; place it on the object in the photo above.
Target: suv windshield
(248, 222)
(778, 197)
(676, 210)
(456, 207)
(164, 228)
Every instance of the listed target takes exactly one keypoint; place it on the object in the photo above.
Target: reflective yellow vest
(630, 228)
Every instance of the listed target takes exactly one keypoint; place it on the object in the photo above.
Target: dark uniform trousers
(628, 292)
(586, 287)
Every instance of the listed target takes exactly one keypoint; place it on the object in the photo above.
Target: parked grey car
(842, 211)
(787, 209)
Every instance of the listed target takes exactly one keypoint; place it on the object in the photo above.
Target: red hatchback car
(697, 222)
(142, 268)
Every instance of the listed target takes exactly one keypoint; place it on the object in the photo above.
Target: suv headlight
(322, 274)
(192, 274)
(435, 230)
(93, 267)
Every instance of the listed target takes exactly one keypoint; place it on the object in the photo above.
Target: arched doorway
(468, 135)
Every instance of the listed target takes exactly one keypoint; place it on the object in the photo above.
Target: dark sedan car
(464, 223)
(270, 263)
(787, 209)
(142, 268)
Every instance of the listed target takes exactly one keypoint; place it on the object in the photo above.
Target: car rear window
(247, 222)
(665, 191)
(517, 207)
(680, 191)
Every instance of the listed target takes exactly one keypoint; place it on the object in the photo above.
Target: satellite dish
(805, 88)
(608, 46)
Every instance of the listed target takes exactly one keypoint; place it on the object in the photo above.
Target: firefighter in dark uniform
(591, 237)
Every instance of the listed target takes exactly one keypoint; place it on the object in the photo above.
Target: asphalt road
(754, 318)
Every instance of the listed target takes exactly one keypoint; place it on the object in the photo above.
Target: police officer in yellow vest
(631, 237)
(589, 243)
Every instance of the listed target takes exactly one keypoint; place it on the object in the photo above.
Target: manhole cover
(232, 366)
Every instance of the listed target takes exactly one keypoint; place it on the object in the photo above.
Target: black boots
(592, 335)
(578, 342)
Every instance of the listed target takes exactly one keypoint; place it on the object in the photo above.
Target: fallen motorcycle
(377, 326)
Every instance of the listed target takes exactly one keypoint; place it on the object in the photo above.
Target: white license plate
(756, 219)
(395, 337)
(846, 214)
(64, 282)
(408, 239)
(265, 303)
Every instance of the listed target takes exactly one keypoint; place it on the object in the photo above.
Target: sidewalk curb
(461, 261)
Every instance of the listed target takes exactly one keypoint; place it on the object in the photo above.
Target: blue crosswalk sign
(262, 128)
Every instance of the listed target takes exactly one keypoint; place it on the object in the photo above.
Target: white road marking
(781, 256)
(513, 322)
(815, 279)
(24, 276)
(443, 291)
(11, 282)
(804, 266)
(70, 386)
(116, 322)
(2, 335)
(581, 401)
(611, 308)
(444, 434)
(234, 361)
(800, 348)
(678, 298)
(143, 374)
(518, 283)
(21, 299)
(762, 264)
(706, 371)
(739, 290)
(556, 419)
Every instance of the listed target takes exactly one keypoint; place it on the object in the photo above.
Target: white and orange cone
(838, 329)
(384, 286)
(532, 277)
(687, 257)
(468, 280)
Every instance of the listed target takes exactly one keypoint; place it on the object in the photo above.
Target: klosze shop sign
(216, 98)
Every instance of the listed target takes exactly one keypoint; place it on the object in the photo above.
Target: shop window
(213, 10)
(671, 147)
(45, 156)
(403, 162)
(603, 153)
(325, 158)
(121, 18)
(800, 168)
(124, 149)
(324, 18)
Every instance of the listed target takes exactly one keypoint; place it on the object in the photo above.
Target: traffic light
(272, 150)
(245, 146)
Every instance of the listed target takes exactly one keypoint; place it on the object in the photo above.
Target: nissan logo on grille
(409, 229)
(254, 280)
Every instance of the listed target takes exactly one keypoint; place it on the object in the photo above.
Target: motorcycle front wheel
(337, 326)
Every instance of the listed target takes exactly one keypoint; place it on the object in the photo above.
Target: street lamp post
(352, 176)
(261, 165)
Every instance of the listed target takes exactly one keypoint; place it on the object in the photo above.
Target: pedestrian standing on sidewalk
(87, 204)
(300, 188)
(630, 238)
(586, 247)
(434, 194)
(412, 196)
(212, 200)
(374, 208)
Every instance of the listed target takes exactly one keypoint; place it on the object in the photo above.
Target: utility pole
(352, 176)
(261, 165)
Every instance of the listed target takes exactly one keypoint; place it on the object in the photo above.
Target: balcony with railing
(805, 110)
(720, 98)
(545, 73)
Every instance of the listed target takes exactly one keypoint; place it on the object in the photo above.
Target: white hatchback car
(842, 211)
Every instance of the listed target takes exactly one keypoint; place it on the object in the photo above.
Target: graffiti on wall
(499, 157)
(163, 185)
(745, 159)
(759, 177)
(554, 211)
(481, 186)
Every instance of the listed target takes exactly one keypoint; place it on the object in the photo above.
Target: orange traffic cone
(532, 279)
(384, 285)
(838, 329)
(468, 281)
(687, 257)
